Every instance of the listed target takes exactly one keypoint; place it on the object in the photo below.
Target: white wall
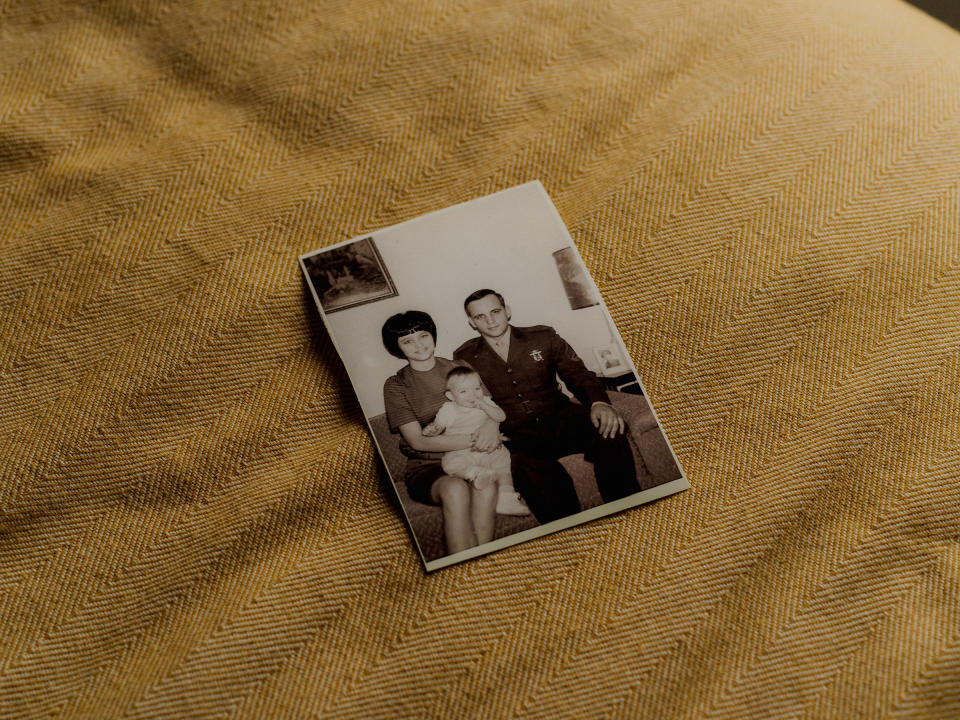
(503, 241)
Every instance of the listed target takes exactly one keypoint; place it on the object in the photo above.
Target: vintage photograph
(497, 390)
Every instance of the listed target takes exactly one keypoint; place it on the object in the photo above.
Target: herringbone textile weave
(193, 520)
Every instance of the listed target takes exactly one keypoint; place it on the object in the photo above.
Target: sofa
(654, 463)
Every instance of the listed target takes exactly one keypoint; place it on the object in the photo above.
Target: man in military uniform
(520, 367)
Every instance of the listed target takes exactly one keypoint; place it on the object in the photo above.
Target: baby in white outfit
(466, 409)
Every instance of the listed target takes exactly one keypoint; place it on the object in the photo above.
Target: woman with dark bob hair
(412, 397)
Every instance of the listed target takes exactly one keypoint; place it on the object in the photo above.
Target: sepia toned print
(496, 387)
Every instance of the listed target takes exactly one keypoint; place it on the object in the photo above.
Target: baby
(466, 409)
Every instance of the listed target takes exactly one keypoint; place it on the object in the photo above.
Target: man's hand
(607, 420)
(486, 438)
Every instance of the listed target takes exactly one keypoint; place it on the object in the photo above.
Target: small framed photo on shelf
(610, 361)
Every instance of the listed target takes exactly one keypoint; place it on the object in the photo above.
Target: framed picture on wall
(349, 275)
(581, 292)
(455, 329)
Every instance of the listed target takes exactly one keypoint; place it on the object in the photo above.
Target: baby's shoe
(509, 502)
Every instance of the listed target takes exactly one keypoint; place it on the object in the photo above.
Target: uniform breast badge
(536, 355)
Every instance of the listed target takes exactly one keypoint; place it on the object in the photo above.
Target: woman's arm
(413, 434)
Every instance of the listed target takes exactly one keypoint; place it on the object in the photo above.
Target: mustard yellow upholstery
(193, 522)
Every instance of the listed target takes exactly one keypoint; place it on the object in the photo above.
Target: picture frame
(350, 275)
(610, 361)
(580, 290)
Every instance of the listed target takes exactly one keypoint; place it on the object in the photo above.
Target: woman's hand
(486, 438)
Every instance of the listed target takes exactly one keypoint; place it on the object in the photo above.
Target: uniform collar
(484, 346)
(518, 333)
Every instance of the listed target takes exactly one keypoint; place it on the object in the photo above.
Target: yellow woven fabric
(194, 523)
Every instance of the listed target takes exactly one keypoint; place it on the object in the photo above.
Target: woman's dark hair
(402, 324)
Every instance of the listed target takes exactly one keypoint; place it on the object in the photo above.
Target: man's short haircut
(482, 293)
(460, 371)
(407, 323)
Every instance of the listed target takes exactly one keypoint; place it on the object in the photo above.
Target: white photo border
(640, 498)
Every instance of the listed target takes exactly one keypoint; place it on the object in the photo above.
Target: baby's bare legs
(505, 481)
(481, 478)
(482, 482)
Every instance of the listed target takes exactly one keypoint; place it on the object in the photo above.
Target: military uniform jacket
(525, 385)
